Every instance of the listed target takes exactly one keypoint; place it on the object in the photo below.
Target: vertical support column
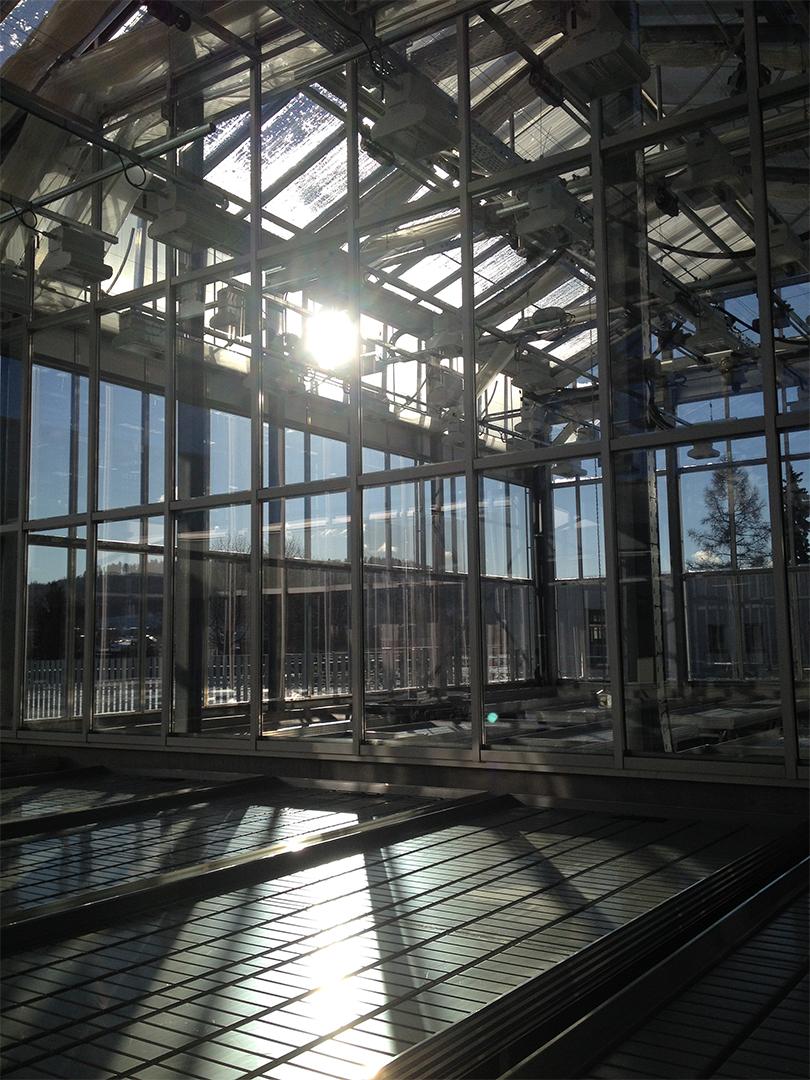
(547, 663)
(357, 640)
(612, 616)
(93, 362)
(254, 315)
(676, 568)
(769, 395)
(20, 645)
(470, 398)
(169, 483)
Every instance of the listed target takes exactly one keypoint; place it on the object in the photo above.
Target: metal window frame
(471, 465)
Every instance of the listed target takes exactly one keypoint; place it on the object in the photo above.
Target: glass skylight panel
(318, 188)
(498, 266)
(224, 130)
(433, 268)
(292, 134)
(139, 16)
(20, 23)
(233, 174)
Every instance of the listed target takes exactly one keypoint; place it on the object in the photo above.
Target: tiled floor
(50, 868)
(333, 970)
(747, 1017)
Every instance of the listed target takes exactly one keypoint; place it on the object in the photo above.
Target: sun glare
(330, 338)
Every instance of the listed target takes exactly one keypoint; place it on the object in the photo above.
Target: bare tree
(735, 530)
(797, 509)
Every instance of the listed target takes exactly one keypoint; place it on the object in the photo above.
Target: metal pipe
(23, 204)
(112, 170)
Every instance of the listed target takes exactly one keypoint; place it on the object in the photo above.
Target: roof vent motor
(597, 58)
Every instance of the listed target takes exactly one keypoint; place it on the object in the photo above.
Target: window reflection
(543, 608)
(786, 145)
(307, 456)
(698, 622)
(306, 617)
(796, 502)
(211, 669)
(213, 451)
(9, 571)
(58, 469)
(417, 652)
(55, 630)
(683, 349)
(130, 450)
(129, 627)
(11, 383)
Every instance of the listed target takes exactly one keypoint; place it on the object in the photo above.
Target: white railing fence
(117, 685)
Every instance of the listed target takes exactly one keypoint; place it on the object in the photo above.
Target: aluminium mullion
(143, 615)
(255, 647)
(24, 452)
(474, 635)
(125, 513)
(413, 472)
(357, 607)
(538, 455)
(791, 422)
(169, 476)
(143, 294)
(210, 502)
(613, 626)
(93, 406)
(531, 171)
(315, 487)
(47, 322)
(691, 120)
(709, 429)
(769, 394)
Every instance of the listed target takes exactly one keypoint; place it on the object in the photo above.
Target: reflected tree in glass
(735, 528)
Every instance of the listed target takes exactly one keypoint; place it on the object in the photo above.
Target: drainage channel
(732, 1002)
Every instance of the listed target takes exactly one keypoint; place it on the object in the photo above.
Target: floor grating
(331, 971)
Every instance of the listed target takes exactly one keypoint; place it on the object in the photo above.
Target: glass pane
(306, 618)
(11, 385)
(796, 498)
(787, 141)
(54, 635)
(543, 598)
(129, 622)
(537, 378)
(213, 390)
(307, 456)
(525, 114)
(309, 339)
(58, 475)
(306, 398)
(676, 230)
(137, 259)
(417, 651)
(413, 382)
(698, 621)
(211, 628)
(648, 60)
(130, 451)
(9, 577)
